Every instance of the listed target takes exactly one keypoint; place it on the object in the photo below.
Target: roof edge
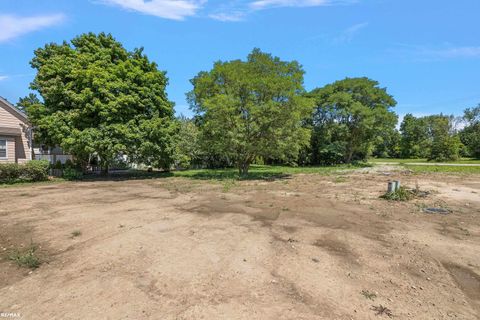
(12, 108)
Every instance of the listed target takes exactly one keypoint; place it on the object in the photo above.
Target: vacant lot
(305, 246)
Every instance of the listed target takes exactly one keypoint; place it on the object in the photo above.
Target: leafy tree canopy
(350, 116)
(252, 108)
(470, 135)
(24, 103)
(99, 98)
(433, 137)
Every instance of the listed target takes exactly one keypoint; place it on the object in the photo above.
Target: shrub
(9, 172)
(35, 170)
(72, 174)
(26, 258)
(57, 165)
(69, 164)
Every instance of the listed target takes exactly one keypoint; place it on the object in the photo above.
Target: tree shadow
(127, 176)
(233, 175)
(203, 174)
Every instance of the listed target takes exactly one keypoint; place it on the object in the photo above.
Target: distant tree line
(100, 100)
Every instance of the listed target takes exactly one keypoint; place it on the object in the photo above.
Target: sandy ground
(300, 247)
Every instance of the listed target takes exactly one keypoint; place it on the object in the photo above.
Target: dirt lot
(300, 247)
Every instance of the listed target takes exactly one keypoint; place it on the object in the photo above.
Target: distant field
(389, 160)
(442, 169)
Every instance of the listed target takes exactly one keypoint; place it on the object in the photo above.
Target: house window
(3, 148)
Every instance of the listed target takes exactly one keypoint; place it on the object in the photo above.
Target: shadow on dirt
(220, 175)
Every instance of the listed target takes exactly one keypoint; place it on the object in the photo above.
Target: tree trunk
(349, 157)
(105, 168)
(243, 168)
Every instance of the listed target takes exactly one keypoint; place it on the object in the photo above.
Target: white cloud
(12, 26)
(228, 16)
(3, 78)
(168, 9)
(237, 10)
(350, 33)
(263, 4)
(232, 10)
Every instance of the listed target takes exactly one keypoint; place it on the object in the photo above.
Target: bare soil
(301, 247)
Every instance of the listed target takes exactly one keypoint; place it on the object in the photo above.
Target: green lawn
(19, 183)
(390, 160)
(442, 169)
(259, 172)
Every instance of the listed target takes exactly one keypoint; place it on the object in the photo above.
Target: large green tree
(100, 99)
(446, 142)
(351, 115)
(416, 140)
(470, 135)
(24, 103)
(252, 108)
(433, 137)
(188, 151)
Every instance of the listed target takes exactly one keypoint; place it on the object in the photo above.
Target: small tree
(252, 108)
(99, 98)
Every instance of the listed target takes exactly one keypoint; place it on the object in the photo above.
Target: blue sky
(426, 52)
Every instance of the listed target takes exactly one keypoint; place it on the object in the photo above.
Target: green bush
(69, 164)
(72, 174)
(402, 194)
(35, 170)
(9, 172)
(57, 165)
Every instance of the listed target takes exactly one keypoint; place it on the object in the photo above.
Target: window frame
(6, 149)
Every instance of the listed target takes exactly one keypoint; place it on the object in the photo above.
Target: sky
(425, 52)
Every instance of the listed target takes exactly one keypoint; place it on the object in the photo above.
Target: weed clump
(369, 295)
(401, 194)
(26, 258)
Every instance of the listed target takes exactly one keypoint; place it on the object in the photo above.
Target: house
(15, 134)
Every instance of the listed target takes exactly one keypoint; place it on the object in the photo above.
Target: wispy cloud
(264, 4)
(237, 10)
(228, 16)
(3, 78)
(12, 26)
(453, 52)
(348, 34)
(168, 9)
(231, 10)
(436, 53)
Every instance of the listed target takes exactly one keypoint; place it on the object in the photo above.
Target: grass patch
(402, 194)
(340, 179)
(368, 295)
(19, 183)
(392, 160)
(402, 161)
(257, 172)
(75, 233)
(228, 184)
(260, 172)
(443, 169)
(26, 258)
